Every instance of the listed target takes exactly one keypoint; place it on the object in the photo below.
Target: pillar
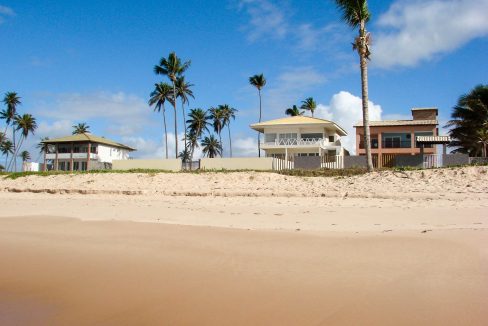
(56, 162)
(44, 168)
(71, 159)
(444, 149)
(88, 157)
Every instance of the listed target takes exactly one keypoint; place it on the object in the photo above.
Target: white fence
(332, 162)
(280, 164)
(432, 161)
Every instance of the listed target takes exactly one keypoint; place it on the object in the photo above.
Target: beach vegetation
(184, 92)
(469, 123)
(81, 128)
(162, 92)
(309, 104)
(294, 111)
(211, 147)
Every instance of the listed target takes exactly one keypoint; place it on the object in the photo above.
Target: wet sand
(63, 271)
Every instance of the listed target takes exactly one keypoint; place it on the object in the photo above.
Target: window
(76, 166)
(331, 139)
(315, 136)
(93, 149)
(269, 138)
(83, 166)
(288, 136)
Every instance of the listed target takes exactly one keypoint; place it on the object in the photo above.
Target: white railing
(332, 162)
(432, 161)
(295, 142)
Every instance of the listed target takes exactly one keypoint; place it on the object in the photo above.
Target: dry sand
(245, 248)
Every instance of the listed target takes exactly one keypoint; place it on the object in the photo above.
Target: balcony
(67, 156)
(388, 144)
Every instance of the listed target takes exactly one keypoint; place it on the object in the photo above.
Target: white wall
(167, 165)
(107, 154)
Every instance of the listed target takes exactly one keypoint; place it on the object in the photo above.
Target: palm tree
(162, 93)
(211, 146)
(80, 128)
(483, 140)
(41, 146)
(25, 155)
(294, 111)
(228, 114)
(192, 144)
(259, 82)
(197, 124)
(173, 68)
(7, 147)
(26, 124)
(356, 14)
(183, 91)
(469, 122)
(217, 117)
(309, 105)
(11, 100)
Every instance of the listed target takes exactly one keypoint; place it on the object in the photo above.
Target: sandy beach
(245, 248)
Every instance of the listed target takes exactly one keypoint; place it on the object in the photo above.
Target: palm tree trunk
(184, 121)
(15, 148)
(220, 139)
(230, 140)
(259, 134)
(13, 160)
(364, 89)
(165, 132)
(176, 119)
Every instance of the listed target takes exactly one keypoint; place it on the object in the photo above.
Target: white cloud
(416, 31)
(5, 11)
(55, 129)
(345, 109)
(266, 20)
(247, 146)
(123, 114)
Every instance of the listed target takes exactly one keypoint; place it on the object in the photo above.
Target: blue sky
(92, 61)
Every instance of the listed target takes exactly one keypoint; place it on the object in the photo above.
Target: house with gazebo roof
(83, 152)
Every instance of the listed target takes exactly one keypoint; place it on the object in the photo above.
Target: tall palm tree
(7, 147)
(217, 117)
(25, 155)
(192, 144)
(26, 124)
(228, 114)
(172, 67)
(294, 111)
(309, 105)
(356, 14)
(211, 146)
(81, 128)
(162, 93)
(11, 100)
(183, 91)
(197, 124)
(469, 122)
(259, 82)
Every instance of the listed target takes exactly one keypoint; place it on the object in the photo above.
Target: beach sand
(175, 250)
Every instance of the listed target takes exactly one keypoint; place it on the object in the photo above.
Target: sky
(92, 61)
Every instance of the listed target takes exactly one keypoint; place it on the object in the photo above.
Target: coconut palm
(294, 111)
(259, 82)
(356, 14)
(183, 91)
(309, 105)
(81, 128)
(228, 115)
(192, 143)
(7, 147)
(197, 124)
(11, 100)
(469, 122)
(162, 93)
(217, 117)
(172, 68)
(26, 124)
(41, 146)
(211, 146)
(25, 155)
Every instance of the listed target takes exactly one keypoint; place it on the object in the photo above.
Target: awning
(433, 139)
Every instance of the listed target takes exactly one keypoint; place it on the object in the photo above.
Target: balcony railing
(388, 144)
(295, 142)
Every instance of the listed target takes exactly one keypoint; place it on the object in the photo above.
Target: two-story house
(399, 137)
(300, 136)
(82, 152)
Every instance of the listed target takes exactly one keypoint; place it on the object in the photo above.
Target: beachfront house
(390, 138)
(82, 152)
(290, 137)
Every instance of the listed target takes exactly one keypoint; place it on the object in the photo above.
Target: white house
(300, 136)
(83, 152)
